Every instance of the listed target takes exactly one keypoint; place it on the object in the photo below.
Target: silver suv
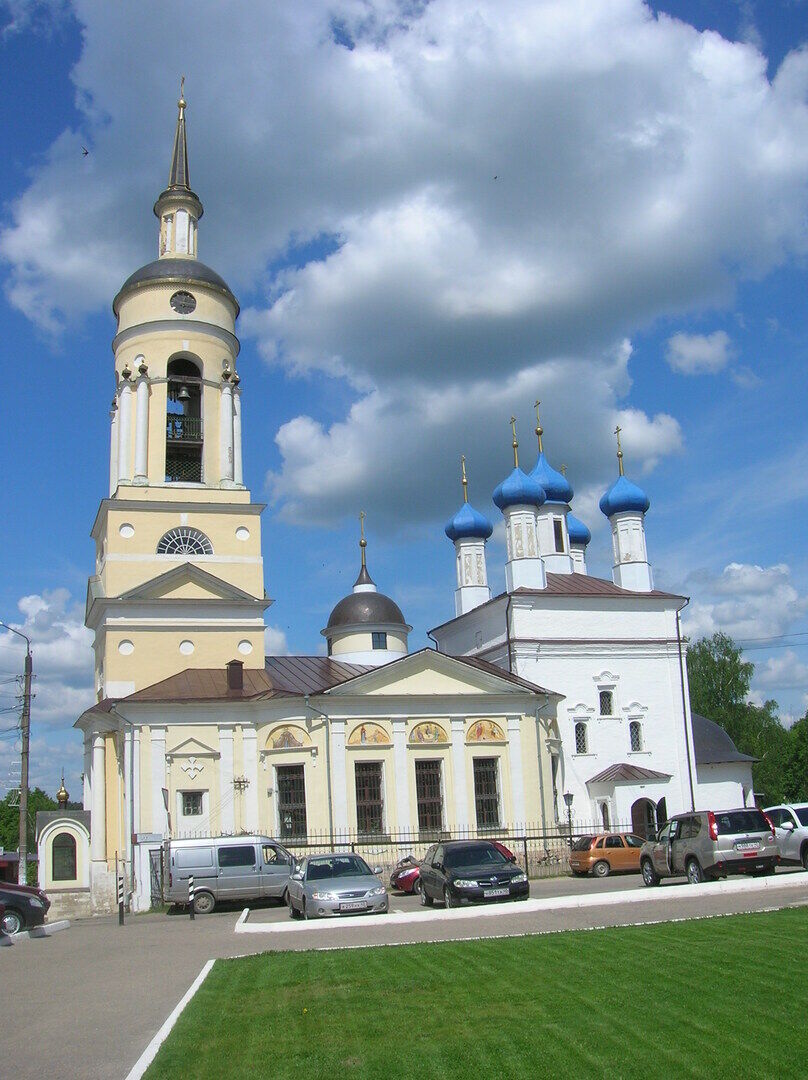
(790, 822)
(706, 845)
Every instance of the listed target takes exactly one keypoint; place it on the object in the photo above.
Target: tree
(10, 818)
(796, 769)
(719, 680)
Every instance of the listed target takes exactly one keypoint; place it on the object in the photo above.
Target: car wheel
(426, 899)
(293, 912)
(203, 903)
(416, 886)
(12, 922)
(449, 901)
(285, 898)
(649, 874)
(695, 874)
(304, 912)
(601, 869)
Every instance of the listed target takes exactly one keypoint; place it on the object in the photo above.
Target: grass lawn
(724, 997)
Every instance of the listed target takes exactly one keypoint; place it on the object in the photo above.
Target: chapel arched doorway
(643, 818)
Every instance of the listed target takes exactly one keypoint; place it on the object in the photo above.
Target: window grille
(379, 639)
(581, 738)
(429, 795)
(606, 703)
(486, 792)
(369, 801)
(635, 735)
(192, 804)
(184, 541)
(63, 854)
(291, 801)
(183, 467)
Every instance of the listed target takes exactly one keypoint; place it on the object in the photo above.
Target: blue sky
(640, 257)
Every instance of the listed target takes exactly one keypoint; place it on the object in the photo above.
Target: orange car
(604, 853)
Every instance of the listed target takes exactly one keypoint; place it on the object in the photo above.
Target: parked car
(24, 906)
(225, 868)
(506, 851)
(709, 844)
(460, 871)
(406, 875)
(790, 822)
(339, 883)
(605, 852)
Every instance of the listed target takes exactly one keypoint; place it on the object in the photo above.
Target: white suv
(791, 830)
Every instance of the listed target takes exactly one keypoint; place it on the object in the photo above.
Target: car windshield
(474, 855)
(337, 866)
(741, 821)
(633, 841)
(582, 843)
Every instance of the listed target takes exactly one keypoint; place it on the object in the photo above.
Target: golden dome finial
(62, 795)
(464, 481)
(539, 428)
(362, 541)
(515, 443)
(563, 470)
(617, 431)
(182, 102)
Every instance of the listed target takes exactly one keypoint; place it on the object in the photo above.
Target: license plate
(496, 892)
(353, 905)
(751, 846)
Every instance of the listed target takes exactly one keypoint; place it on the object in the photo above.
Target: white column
(136, 781)
(517, 778)
(158, 771)
(125, 432)
(226, 434)
(87, 801)
(238, 470)
(227, 817)
(98, 819)
(405, 822)
(113, 446)
(339, 789)
(249, 738)
(142, 428)
(459, 770)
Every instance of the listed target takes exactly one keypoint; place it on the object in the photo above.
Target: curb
(35, 932)
(526, 907)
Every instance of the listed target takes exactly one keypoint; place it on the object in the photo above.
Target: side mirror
(297, 876)
(378, 869)
(788, 825)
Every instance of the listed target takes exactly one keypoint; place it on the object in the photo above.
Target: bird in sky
(84, 151)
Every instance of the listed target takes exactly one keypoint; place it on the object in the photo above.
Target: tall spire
(364, 583)
(179, 177)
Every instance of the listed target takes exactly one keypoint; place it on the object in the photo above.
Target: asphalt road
(84, 1003)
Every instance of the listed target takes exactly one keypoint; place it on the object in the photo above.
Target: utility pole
(25, 740)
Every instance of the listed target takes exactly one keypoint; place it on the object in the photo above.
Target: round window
(245, 647)
(125, 647)
(242, 533)
(126, 530)
(186, 647)
(183, 303)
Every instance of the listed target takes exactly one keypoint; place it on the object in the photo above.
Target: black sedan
(24, 905)
(459, 871)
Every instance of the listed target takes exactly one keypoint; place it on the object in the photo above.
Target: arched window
(64, 857)
(581, 738)
(183, 421)
(184, 541)
(604, 816)
(635, 736)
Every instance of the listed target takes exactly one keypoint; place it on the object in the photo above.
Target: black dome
(183, 271)
(365, 607)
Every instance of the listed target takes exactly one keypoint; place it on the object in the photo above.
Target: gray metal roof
(712, 745)
(368, 608)
(182, 271)
(626, 774)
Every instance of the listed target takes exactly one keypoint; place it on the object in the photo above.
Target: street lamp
(568, 801)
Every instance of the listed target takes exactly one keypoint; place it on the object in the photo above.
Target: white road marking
(530, 906)
(242, 917)
(35, 932)
(149, 1054)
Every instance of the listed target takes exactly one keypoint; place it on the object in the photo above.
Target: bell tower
(179, 573)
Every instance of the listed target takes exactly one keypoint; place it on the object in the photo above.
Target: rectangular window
(369, 800)
(192, 804)
(379, 639)
(486, 792)
(238, 855)
(429, 795)
(558, 533)
(291, 801)
(606, 703)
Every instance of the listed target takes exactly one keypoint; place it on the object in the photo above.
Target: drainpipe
(508, 631)
(684, 708)
(327, 767)
(432, 639)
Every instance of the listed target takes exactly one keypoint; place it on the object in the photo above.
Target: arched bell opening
(184, 433)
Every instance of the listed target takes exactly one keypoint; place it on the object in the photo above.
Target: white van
(225, 868)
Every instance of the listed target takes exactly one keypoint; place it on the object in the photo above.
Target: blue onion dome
(622, 496)
(518, 489)
(468, 523)
(578, 532)
(557, 487)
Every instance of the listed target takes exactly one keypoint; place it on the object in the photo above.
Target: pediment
(192, 747)
(186, 582)
(429, 673)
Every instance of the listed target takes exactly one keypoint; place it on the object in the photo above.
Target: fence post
(191, 895)
(524, 844)
(120, 885)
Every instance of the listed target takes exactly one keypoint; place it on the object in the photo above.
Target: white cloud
(745, 601)
(699, 354)
(275, 643)
(642, 168)
(785, 671)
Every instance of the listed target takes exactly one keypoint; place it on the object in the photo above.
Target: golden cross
(181, 102)
(464, 481)
(362, 541)
(617, 431)
(539, 428)
(515, 443)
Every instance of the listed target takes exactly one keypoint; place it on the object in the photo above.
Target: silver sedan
(337, 884)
